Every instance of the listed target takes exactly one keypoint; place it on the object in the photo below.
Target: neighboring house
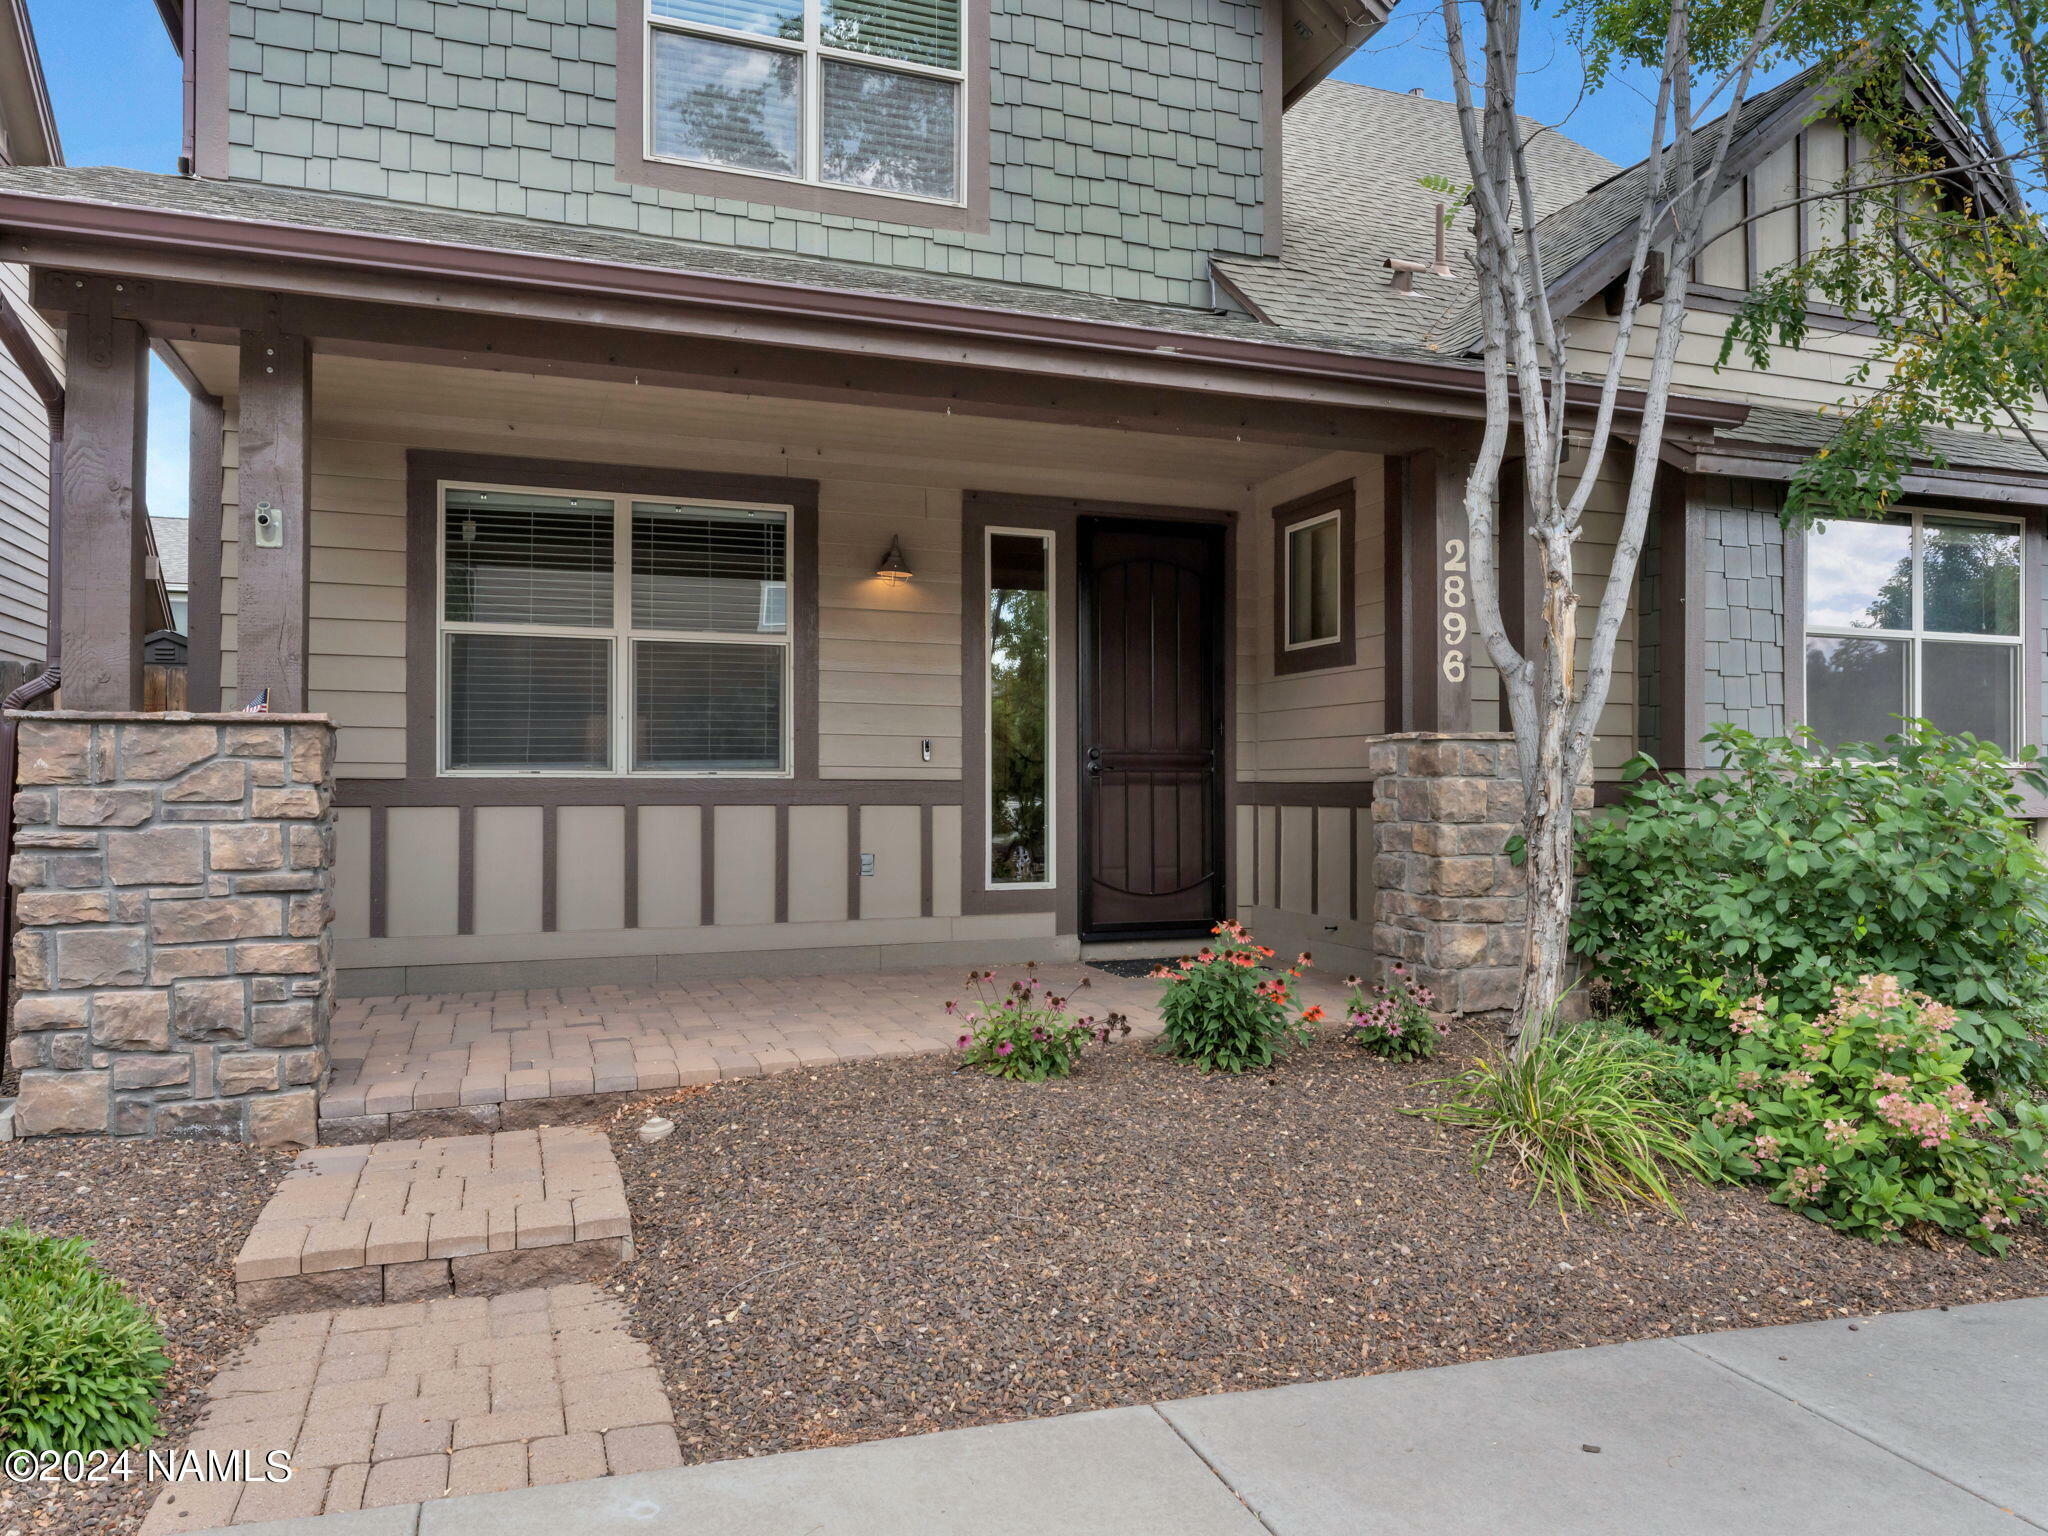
(887, 483)
(31, 372)
(173, 556)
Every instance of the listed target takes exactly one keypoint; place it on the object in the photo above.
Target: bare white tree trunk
(1553, 705)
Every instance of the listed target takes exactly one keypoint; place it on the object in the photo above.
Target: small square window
(1313, 539)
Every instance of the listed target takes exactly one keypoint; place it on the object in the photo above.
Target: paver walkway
(430, 1058)
(453, 1215)
(391, 1405)
(1916, 1424)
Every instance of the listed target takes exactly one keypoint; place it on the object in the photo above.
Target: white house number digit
(1455, 627)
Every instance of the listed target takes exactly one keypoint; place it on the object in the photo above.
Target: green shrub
(79, 1361)
(1678, 1075)
(1578, 1117)
(1863, 1119)
(1225, 1012)
(1799, 865)
(1023, 1033)
(1394, 1022)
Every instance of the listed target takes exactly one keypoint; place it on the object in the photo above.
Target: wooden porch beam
(737, 358)
(1432, 645)
(106, 435)
(273, 532)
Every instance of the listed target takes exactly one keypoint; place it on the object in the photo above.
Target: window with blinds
(597, 634)
(855, 93)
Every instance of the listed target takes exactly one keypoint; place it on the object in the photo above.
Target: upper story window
(1919, 615)
(592, 634)
(866, 94)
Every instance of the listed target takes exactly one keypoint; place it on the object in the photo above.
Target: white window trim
(2024, 730)
(810, 99)
(1287, 533)
(619, 638)
(988, 713)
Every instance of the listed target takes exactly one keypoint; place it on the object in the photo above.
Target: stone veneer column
(1448, 903)
(173, 967)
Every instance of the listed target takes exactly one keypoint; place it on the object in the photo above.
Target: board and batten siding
(24, 489)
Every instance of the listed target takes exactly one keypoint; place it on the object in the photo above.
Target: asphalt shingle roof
(1782, 427)
(252, 202)
(1354, 157)
(173, 549)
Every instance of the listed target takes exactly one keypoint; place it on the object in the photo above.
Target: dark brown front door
(1152, 626)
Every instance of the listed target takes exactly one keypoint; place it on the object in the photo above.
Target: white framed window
(1918, 615)
(593, 634)
(1312, 582)
(867, 94)
(1018, 637)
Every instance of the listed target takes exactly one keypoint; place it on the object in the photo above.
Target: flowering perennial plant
(1225, 1012)
(1394, 1021)
(1865, 1119)
(1023, 1032)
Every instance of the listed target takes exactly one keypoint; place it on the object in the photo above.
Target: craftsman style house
(764, 486)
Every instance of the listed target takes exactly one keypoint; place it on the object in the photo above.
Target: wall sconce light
(894, 567)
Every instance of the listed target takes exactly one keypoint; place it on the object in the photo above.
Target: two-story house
(858, 483)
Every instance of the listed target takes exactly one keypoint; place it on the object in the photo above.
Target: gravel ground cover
(890, 1248)
(165, 1219)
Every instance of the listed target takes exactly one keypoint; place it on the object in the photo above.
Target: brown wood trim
(1794, 632)
(632, 165)
(1425, 503)
(1681, 622)
(1396, 472)
(207, 479)
(1315, 861)
(206, 249)
(927, 874)
(782, 863)
(380, 871)
(2034, 600)
(1355, 793)
(1521, 572)
(206, 51)
(101, 536)
(1351, 852)
(1342, 499)
(465, 868)
(273, 430)
(512, 790)
(629, 871)
(550, 865)
(424, 471)
(1060, 516)
(853, 852)
(707, 866)
(1272, 115)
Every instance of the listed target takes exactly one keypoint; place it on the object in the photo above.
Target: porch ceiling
(500, 411)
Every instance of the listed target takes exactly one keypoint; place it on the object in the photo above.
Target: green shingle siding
(1125, 146)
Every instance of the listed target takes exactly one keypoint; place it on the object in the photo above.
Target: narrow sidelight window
(851, 93)
(1020, 726)
(597, 634)
(1918, 615)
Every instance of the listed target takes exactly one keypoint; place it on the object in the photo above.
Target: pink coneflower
(1004, 1048)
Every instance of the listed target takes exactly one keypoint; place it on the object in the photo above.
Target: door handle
(1095, 762)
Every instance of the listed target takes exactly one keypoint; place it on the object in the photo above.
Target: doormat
(1133, 968)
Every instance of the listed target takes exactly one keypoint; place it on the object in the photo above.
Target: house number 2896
(1455, 627)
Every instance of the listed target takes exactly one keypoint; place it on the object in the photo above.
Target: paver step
(399, 1221)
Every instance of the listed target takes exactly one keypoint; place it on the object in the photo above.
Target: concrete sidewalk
(1932, 1422)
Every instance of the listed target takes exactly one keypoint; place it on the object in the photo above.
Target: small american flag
(260, 705)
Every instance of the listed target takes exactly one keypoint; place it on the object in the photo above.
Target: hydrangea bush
(1394, 1021)
(1023, 1032)
(1800, 864)
(1226, 1012)
(1864, 1118)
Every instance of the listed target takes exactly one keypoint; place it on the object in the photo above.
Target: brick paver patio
(397, 1404)
(464, 1055)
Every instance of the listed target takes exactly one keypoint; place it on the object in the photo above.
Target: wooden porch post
(202, 613)
(1431, 642)
(106, 420)
(1681, 535)
(273, 518)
